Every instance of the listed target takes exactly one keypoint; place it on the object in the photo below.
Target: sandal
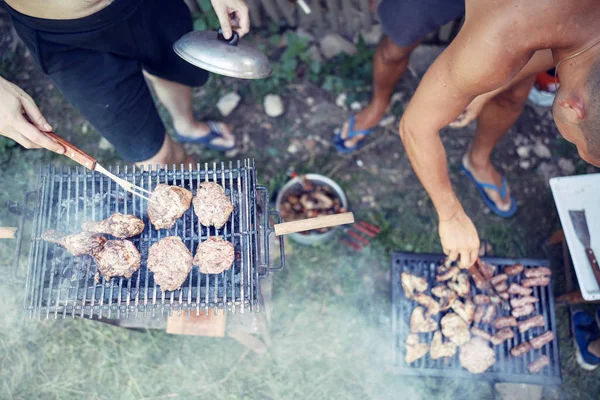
(340, 142)
(584, 330)
(215, 133)
(488, 201)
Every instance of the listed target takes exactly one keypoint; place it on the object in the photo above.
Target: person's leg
(177, 99)
(495, 119)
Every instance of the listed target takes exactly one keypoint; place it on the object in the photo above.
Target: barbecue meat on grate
(121, 226)
(214, 255)
(170, 261)
(455, 329)
(412, 283)
(419, 323)
(79, 244)
(414, 349)
(440, 349)
(168, 205)
(477, 356)
(432, 306)
(461, 285)
(211, 205)
(118, 258)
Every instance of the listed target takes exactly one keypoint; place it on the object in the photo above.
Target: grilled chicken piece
(420, 324)
(487, 270)
(479, 313)
(168, 204)
(214, 255)
(455, 329)
(477, 356)
(414, 349)
(440, 349)
(462, 285)
(441, 291)
(490, 313)
(412, 283)
(170, 261)
(117, 258)
(432, 306)
(464, 310)
(446, 273)
(211, 205)
(78, 244)
(121, 226)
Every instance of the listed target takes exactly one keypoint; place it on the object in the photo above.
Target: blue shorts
(406, 22)
(97, 62)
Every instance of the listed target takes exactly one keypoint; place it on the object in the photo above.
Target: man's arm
(479, 60)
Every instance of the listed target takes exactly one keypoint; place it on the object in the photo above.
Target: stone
(304, 34)
(355, 106)
(105, 145)
(566, 166)
(525, 164)
(548, 171)
(228, 103)
(372, 36)
(310, 101)
(385, 121)
(293, 148)
(541, 150)
(273, 105)
(315, 54)
(340, 101)
(333, 45)
(523, 151)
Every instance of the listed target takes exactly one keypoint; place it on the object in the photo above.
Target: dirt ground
(331, 327)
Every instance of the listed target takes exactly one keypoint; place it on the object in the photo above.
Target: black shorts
(407, 21)
(97, 63)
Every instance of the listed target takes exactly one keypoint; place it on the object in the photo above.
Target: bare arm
(478, 61)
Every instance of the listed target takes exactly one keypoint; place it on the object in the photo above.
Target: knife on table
(583, 234)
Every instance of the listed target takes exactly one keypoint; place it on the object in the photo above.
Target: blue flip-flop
(584, 330)
(340, 142)
(215, 132)
(488, 202)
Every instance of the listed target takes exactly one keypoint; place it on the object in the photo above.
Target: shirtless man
(500, 44)
(98, 53)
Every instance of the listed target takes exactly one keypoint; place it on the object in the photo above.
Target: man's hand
(233, 15)
(459, 239)
(17, 108)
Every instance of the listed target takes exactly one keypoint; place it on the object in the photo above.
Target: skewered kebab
(119, 225)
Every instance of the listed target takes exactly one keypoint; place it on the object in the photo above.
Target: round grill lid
(212, 52)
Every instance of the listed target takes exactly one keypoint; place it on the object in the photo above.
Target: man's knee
(390, 53)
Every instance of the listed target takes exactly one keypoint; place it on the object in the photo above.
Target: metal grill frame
(49, 266)
(506, 368)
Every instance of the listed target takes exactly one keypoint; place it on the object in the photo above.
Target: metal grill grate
(60, 285)
(506, 368)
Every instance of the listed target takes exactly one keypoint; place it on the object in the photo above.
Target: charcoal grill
(59, 285)
(506, 368)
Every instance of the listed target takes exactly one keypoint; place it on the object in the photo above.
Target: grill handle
(267, 229)
(272, 231)
(19, 236)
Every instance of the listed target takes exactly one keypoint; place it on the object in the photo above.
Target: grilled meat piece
(539, 364)
(412, 283)
(420, 324)
(78, 244)
(504, 295)
(464, 310)
(214, 255)
(481, 333)
(487, 270)
(521, 301)
(121, 226)
(118, 258)
(170, 261)
(520, 349)
(505, 322)
(440, 349)
(495, 299)
(537, 281)
(461, 285)
(539, 341)
(446, 273)
(168, 204)
(212, 205)
(498, 279)
(490, 313)
(520, 290)
(455, 329)
(536, 320)
(432, 306)
(477, 356)
(501, 336)
(501, 287)
(523, 311)
(441, 291)
(539, 271)
(479, 313)
(414, 349)
(480, 299)
(513, 269)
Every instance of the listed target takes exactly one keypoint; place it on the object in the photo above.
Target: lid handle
(233, 41)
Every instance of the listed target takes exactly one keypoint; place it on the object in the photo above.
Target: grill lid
(212, 52)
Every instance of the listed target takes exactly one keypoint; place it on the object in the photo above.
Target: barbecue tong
(92, 164)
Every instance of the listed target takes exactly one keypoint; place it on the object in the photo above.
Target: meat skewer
(523, 311)
(505, 322)
(521, 301)
(520, 349)
(501, 336)
(537, 281)
(539, 341)
(515, 288)
(513, 269)
(537, 365)
(535, 321)
(119, 225)
(536, 272)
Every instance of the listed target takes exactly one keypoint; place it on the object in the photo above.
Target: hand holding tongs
(90, 163)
